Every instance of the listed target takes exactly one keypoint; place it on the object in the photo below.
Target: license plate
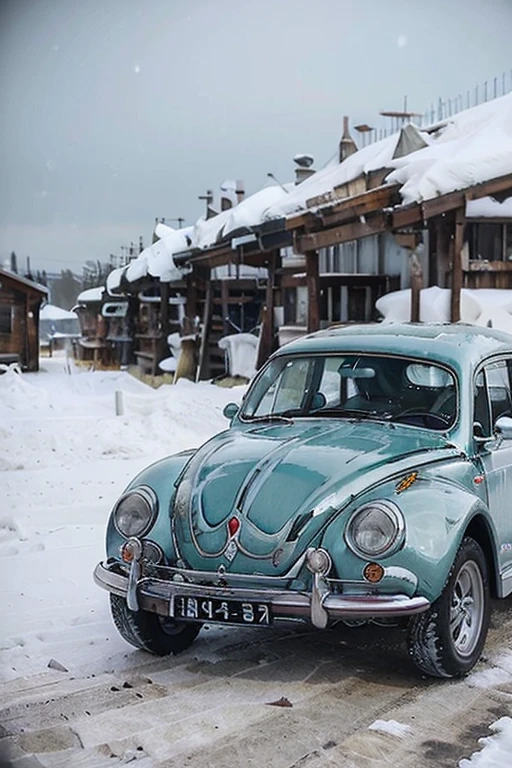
(223, 611)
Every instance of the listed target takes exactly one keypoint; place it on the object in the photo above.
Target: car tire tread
(429, 641)
(144, 631)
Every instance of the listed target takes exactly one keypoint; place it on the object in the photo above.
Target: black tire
(160, 635)
(447, 640)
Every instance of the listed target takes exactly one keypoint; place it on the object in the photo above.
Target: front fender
(437, 512)
(161, 477)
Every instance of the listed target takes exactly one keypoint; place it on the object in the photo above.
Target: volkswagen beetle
(367, 475)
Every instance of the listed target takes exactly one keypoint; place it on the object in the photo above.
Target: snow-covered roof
(51, 312)
(156, 260)
(471, 147)
(23, 280)
(91, 295)
(247, 214)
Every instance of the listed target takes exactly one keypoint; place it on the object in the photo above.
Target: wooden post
(224, 299)
(313, 283)
(191, 310)
(267, 335)
(202, 365)
(416, 273)
(163, 350)
(440, 268)
(457, 243)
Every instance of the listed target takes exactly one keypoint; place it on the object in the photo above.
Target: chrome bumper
(319, 607)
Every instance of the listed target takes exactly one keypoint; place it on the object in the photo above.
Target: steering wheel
(428, 419)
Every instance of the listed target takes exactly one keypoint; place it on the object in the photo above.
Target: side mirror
(230, 410)
(503, 427)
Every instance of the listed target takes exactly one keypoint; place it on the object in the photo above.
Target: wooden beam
(416, 213)
(354, 207)
(406, 216)
(343, 234)
(493, 186)
(458, 242)
(313, 284)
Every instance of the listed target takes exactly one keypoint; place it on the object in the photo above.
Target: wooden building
(20, 302)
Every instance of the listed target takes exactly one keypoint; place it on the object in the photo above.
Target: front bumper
(320, 607)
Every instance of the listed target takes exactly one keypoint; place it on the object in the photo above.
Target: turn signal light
(131, 550)
(373, 572)
(127, 553)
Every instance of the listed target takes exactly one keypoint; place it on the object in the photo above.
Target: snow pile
(241, 350)
(488, 208)
(497, 749)
(15, 391)
(484, 306)
(393, 727)
(66, 457)
(499, 673)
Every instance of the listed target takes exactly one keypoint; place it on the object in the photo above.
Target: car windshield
(415, 392)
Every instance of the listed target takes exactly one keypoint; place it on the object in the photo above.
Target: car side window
(499, 386)
(481, 415)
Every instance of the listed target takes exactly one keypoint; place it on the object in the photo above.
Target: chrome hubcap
(467, 609)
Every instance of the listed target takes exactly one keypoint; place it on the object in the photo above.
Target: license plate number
(223, 611)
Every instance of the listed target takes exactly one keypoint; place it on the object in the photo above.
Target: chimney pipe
(347, 145)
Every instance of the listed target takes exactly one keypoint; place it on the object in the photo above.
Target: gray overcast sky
(113, 112)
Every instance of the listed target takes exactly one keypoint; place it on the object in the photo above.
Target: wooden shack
(20, 302)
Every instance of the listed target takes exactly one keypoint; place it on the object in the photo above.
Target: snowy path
(64, 458)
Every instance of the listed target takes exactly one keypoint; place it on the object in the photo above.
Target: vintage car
(367, 475)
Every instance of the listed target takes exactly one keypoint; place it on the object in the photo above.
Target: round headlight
(376, 529)
(136, 511)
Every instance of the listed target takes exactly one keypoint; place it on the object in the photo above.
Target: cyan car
(367, 475)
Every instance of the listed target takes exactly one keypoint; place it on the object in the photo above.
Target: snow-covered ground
(64, 459)
(65, 456)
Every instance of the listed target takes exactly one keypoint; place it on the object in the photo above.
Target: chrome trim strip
(505, 582)
(232, 579)
(157, 596)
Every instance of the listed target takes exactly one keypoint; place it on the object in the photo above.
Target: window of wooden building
(489, 241)
(5, 319)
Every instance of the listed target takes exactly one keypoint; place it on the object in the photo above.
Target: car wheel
(447, 640)
(150, 631)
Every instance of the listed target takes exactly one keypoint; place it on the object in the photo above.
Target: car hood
(283, 483)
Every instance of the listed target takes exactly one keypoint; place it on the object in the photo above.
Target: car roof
(458, 344)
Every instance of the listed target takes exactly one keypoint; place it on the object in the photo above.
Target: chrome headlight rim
(393, 513)
(148, 495)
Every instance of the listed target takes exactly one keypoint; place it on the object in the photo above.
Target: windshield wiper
(276, 417)
(348, 413)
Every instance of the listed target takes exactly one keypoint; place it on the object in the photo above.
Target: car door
(497, 461)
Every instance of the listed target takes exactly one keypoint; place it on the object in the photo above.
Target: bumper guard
(319, 607)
